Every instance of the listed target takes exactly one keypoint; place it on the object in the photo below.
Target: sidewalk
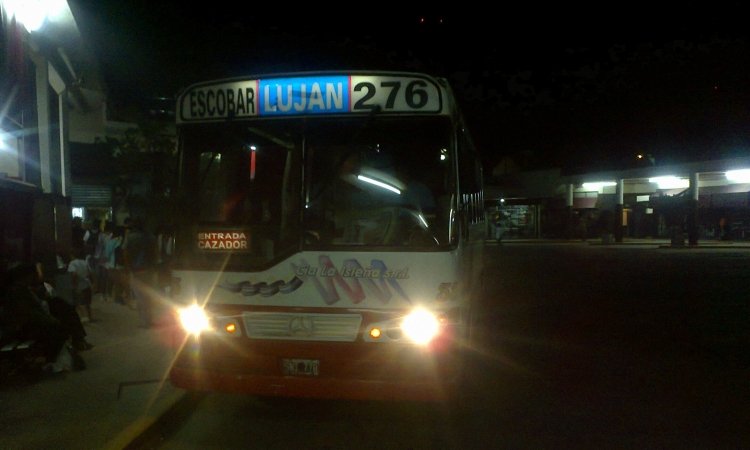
(81, 410)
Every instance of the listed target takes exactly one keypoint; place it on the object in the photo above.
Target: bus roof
(314, 93)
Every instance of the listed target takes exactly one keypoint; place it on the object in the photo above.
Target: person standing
(500, 222)
(90, 244)
(140, 258)
(77, 233)
(101, 259)
(81, 280)
(115, 266)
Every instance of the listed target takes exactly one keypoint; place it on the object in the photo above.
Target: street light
(597, 185)
(670, 182)
(4, 137)
(739, 176)
(33, 14)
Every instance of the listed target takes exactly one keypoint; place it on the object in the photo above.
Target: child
(79, 270)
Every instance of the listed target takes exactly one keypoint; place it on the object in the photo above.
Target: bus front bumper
(354, 371)
(321, 388)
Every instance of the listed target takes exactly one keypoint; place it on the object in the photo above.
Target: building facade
(51, 98)
(689, 201)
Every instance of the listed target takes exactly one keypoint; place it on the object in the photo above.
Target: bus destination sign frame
(310, 95)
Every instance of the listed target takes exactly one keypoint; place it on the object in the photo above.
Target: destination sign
(324, 94)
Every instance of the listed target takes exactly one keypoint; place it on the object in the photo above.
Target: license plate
(300, 367)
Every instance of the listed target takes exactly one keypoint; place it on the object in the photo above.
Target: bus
(330, 236)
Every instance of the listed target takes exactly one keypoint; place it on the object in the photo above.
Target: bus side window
(466, 165)
(470, 178)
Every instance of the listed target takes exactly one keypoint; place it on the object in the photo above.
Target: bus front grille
(302, 326)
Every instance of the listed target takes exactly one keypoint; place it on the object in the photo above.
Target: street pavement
(123, 390)
(627, 241)
(115, 399)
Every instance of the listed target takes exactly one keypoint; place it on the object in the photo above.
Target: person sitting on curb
(62, 311)
(28, 317)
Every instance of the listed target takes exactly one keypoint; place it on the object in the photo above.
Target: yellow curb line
(143, 423)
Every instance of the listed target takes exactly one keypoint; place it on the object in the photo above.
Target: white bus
(330, 236)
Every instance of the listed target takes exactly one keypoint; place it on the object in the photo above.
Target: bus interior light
(379, 184)
(252, 162)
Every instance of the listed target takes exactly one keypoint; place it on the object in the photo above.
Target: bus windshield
(378, 183)
(240, 187)
(321, 182)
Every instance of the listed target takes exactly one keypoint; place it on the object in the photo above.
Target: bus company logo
(355, 281)
(249, 289)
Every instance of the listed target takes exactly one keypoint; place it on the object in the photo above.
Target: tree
(146, 158)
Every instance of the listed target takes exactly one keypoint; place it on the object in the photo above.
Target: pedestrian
(81, 281)
(26, 316)
(723, 229)
(140, 259)
(117, 284)
(91, 245)
(583, 226)
(102, 259)
(499, 222)
(62, 311)
(77, 233)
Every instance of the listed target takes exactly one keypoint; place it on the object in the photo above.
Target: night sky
(577, 87)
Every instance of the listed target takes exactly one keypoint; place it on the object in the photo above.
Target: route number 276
(391, 95)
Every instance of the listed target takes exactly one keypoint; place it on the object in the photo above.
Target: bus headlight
(194, 319)
(421, 326)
